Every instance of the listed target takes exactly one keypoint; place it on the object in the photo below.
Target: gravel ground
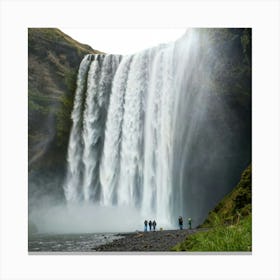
(154, 241)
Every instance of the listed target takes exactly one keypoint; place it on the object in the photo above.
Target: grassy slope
(235, 205)
(221, 238)
(230, 222)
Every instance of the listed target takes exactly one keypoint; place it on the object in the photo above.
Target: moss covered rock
(237, 204)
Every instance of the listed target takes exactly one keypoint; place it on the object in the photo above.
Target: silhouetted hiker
(180, 221)
(145, 225)
(154, 225)
(190, 223)
(150, 225)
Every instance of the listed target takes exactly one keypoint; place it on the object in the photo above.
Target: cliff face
(53, 62)
(220, 148)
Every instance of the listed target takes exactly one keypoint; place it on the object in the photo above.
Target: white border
(17, 16)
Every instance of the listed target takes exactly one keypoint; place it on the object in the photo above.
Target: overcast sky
(123, 41)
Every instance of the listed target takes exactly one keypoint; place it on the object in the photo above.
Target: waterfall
(136, 122)
(110, 162)
(100, 78)
(74, 173)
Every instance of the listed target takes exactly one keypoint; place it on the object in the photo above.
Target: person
(150, 225)
(180, 221)
(145, 225)
(154, 225)
(190, 223)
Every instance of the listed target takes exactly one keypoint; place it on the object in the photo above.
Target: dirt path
(147, 241)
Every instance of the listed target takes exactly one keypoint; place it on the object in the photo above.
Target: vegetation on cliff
(236, 205)
(229, 223)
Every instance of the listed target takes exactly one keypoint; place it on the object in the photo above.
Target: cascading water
(75, 147)
(137, 120)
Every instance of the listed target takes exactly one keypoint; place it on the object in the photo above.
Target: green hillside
(236, 205)
(229, 225)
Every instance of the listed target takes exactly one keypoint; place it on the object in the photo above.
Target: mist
(85, 218)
